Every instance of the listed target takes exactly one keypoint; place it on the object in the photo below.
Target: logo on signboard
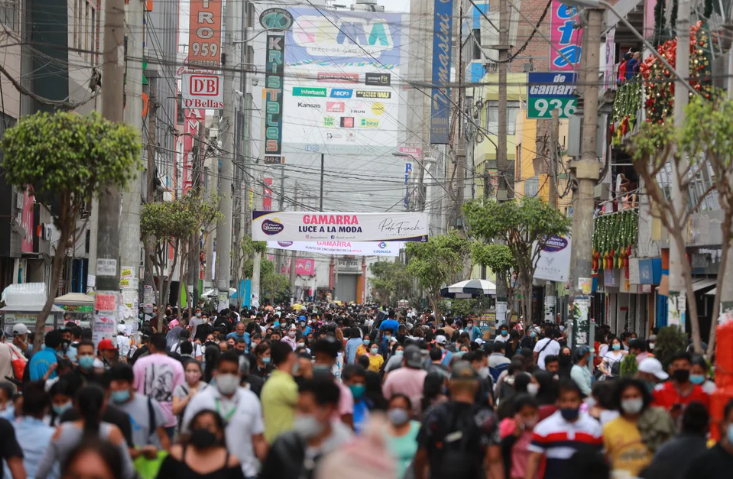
(276, 19)
(378, 79)
(369, 123)
(347, 122)
(340, 93)
(272, 227)
(555, 244)
(382, 245)
(302, 104)
(202, 91)
(378, 108)
(329, 121)
(335, 106)
(285, 244)
(338, 77)
(204, 85)
(373, 94)
(304, 91)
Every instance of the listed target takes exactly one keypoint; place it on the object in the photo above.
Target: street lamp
(660, 57)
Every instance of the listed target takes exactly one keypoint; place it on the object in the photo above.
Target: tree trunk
(687, 274)
(58, 262)
(726, 233)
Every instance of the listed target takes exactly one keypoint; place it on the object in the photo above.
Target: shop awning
(703, 283)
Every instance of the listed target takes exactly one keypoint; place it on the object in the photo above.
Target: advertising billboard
(442, 50)
(565, 37)
(550, 91)
(204, 33)
(274, 72)
(350, 248)
(202, 90)
(310, 226)
(340, 91)
(554, 261)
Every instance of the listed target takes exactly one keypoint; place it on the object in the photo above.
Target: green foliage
(466, 307)
(437, 262)
(670, 340)
(390, 280)
(497, 257)
(70, 156)
(179, 218)
(629, 366)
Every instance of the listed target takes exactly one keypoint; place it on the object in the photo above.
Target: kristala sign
(362, 227)
(275, 67)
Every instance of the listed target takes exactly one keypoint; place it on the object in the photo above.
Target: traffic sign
(549, 91)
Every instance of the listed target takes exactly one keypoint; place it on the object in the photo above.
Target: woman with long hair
(90, 402)
(183, 393)
(211, 359)
(203, 453)
(97, 459)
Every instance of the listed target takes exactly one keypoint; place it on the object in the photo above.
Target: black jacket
(286, 459)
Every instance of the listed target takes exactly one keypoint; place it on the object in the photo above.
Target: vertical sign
(274, 94)
(27, 223)
(440, 97)
(408, 174)
(204, 33)
(564, 37)
(267, 196)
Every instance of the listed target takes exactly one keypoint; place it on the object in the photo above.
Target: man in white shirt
(545, 347)
(123, 342)
(241, 411)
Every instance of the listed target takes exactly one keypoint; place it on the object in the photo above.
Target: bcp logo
(272, 227)
(341, 93)
(204, 85)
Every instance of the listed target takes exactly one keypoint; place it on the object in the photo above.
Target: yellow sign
(378, 108)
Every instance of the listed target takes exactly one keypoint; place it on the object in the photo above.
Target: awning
(703, 283)
(469, 288)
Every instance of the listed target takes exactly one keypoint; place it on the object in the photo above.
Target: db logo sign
(204, 85)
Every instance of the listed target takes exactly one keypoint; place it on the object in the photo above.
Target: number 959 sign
(542, 107)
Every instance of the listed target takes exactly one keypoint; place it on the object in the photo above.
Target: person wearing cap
(676, 394)
(108, 352)
(651, 372)
(20, 340)
(441, 342)
(459, 438)
(408, 380)
(40, 363)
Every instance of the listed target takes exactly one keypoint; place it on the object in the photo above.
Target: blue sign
(646, 271)
(440, 97)
(551, 84)
(341, 93)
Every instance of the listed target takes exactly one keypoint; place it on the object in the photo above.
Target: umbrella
(469, 289)
(297, 306)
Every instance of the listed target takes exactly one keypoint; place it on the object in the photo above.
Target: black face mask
(202, 438)
(564, 360)
(681, 375)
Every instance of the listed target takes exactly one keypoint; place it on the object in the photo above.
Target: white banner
(353, 248)
(554, 261)
(312, 227)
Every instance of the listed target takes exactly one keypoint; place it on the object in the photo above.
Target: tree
(498, 258)
(243, 261)
(657, 146)
(524, 227)
(171, 224)
(65, 159)
(436, 262)
(390, 281)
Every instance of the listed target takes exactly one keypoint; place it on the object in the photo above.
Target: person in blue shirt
(305, 329)
(441, 341)
(41, 361)
(239, 333)
(390, 322)
(33, 435)
(473, 330)
(352, 344)
(385, 346)
(354, 377)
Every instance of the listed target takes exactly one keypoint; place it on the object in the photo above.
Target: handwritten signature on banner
(398, 227)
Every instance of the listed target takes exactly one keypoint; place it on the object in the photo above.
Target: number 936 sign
(542, 107)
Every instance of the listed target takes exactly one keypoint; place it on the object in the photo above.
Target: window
(492, 111)
(531, 187)
(9, 14)
(477, 45)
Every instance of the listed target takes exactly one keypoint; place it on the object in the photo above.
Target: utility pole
(677, 291)
(293, 257)
(280, 204)
(108, 232)
(150, 187)
(194, 264)
(587, 174)
(226, 131)
(323, 160)
(550, 296)
(131, 200)
(461, 141)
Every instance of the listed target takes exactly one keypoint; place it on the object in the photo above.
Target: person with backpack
(146, 415)
(459, 438)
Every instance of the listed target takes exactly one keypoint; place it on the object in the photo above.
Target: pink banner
(26, 245)
(565, 37)
(267, 196)
(193, 119)
(305, 266)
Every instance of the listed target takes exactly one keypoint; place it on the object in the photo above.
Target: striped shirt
(559, 439)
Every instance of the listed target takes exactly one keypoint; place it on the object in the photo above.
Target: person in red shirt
(676, 394)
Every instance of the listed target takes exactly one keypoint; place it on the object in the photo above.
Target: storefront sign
(202, 91)
(275, 68)
(276, 19)
(554, 261)
(204, 36)
(440, 106)
(309, 226)
(565, 37)
(305, 266)
(550, 91)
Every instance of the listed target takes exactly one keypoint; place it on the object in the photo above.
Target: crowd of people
(281, 393)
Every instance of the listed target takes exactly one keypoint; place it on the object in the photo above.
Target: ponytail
(90, 400)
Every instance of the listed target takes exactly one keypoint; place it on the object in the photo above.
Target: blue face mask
(532, 334)
(357, 390)
(366, 342)
(697, 378)
(504, 332)
(86, 362)
(266, 359)
(59, 410)
(616, 347)
(120, 396)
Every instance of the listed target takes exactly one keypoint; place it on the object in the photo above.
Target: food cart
(23, 302)
(79, 307)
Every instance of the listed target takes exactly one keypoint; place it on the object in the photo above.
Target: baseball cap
(106, 345)
(653, 366)
(20, 329)
(440, 339)
(121, 328)
(413, 356)
(463, 371)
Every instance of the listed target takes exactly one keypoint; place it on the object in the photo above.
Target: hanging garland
(626, 105)
(614, 236)
(659, 83)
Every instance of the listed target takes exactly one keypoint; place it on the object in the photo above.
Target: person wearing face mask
(479, 363)
(717, 462)
(565, 432)
(290, 337)
(401, 433)
(516, 435)
(674, 395)
(375, 358)
(502, 335)
(297, 454)
(148, 433)
(625, 449)
(240, 410)
(204, 454)
(262, 366)
(354, 377)
(183, 393)
(612, 359)
(363, 348)
(280, 393)
(529, 339)
(395, 358)
(699, 374)
(580, 372)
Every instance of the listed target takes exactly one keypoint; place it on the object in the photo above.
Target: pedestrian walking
(280, 393)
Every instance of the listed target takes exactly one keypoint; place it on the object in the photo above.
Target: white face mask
(291, 334)
(227, 383)
(632, 406)
(533, 389)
